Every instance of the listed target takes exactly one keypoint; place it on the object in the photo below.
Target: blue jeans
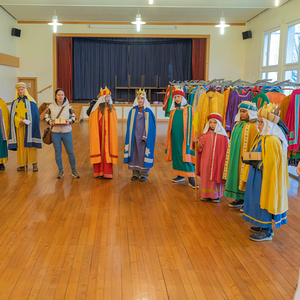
(67, 139)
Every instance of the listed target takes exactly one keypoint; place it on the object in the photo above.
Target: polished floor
(92, 239)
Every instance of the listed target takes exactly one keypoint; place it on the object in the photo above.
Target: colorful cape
(207, 106)
(111, 136)
(188, 154)
(292, 121)
(243, 135)
(150, 126)
(4, 119)
(275, 180)
(219, 147)
(32, 130)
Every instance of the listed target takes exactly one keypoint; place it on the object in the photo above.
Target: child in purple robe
(140, 138)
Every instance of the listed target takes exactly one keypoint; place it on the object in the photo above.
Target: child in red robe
(212, 149)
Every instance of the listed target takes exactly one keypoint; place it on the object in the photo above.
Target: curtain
(65, 65)
(166, 58)
(198, 58)
(96, 61)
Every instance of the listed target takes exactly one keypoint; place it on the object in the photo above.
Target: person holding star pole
(24, 135)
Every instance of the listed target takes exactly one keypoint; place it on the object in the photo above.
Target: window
(263, 75)
(272, 75)
(293, 44)
(292, 75)
(271, 49)
(291, 68)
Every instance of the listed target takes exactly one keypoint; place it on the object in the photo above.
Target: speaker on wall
(16, 32)
(247, 35)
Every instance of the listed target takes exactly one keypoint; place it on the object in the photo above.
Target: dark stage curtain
(198, 58)
(166, 58)
(65, 65)
(96, 61)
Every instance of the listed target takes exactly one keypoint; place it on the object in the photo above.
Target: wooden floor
(116, 239)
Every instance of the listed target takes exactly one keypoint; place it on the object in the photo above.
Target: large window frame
(269, 69)
(292, 67)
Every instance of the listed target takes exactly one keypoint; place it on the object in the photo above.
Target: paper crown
(270, 112)
(248, 105)
(178, 91)
(106, 91)
(215, 116)
(141, 93)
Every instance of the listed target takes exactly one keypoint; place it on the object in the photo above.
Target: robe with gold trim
(179, 145)
(243, 135)
(103, 141)
(266, 188)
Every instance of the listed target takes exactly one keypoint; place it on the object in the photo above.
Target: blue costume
(252, 207)
(32, 130)
(149, 137)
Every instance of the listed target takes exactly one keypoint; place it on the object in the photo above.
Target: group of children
(258, 187)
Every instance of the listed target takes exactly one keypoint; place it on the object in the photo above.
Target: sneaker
(205, 199)
(242, 208)
(35, 168)
(257, 229)
(236, 203)
(21, 168)
(60, 174)
(192, 182)
(262, 235)
(2, 168)
(134, 178)
(217, 200)
(178, 179)
(75, 174)
(143, 178)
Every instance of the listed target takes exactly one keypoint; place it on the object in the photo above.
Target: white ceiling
(195, 11)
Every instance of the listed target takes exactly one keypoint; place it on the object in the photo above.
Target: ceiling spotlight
(150, 1)
(55, 22)
(222, 24)
(276, 2)
(138, 21)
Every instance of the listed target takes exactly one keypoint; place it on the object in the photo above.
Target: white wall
(8, 75)
(268, 20)
(35, 49)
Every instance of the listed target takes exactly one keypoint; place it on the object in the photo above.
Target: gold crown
(272, 108)
(141, 93)
(270, 112)
(178, 89)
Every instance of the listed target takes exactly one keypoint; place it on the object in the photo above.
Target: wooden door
(31, 85)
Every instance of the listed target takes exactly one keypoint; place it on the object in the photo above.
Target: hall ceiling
(191, 11)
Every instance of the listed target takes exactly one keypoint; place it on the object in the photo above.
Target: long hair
(103, 105)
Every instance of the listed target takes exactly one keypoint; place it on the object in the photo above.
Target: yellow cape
(275, 180)
(6, 117)
(208, 105)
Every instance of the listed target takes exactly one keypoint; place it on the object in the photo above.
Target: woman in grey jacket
(61, 130)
